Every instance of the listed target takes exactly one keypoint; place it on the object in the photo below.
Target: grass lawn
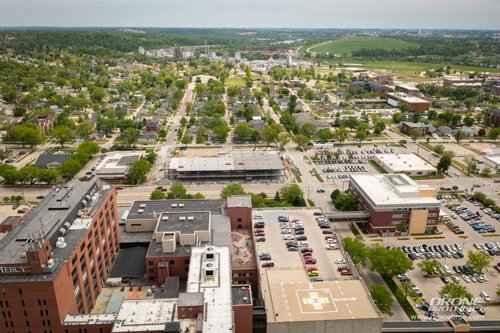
(234, 81)
(348, 45)
(401, 67)
(377, 166)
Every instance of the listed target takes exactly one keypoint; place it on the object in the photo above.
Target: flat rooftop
(393, 190)
(183, 222)
(117, 162)
(242, 295)
(151, 209)
(403, 163)
(145, 315)
(235, 161)
(407, 98)
(61, 205)
(242, 249)
(288, 293)
(407, 87)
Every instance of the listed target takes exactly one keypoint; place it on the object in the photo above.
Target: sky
(409, 14)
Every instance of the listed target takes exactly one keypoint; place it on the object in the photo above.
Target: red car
(119, 187)
(310, 261)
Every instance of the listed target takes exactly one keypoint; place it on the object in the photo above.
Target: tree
(459, 135)
(221, 132)
(439, 149)
(48, 176)
(9, 173)
(455, 290)
(470, 164)
(283, 140)
(277, 196)
(269, 135)
(445, 162)
(242, 132)
(415, 134)
(231, 189)
(379, 127)
(382, 298)
(157, 195)
(84, 131)
(301, 140)
(406, 288)
(429, 266)
(177, 191)
(398, 117)
(70, 168)
(61, 134)
(494, 133)
(486, 172)
(416, 117)
(357, 250)
(346, 202)
(325, 134)
(293, 195)
(233, 92)
(130, 135)
(138, 172)
(341, 135)
(389, 262)
(5, 153)
(32, 137)
(468, 121)
(470, 103)
(308, 130)
(478, 261)
(361, 135)
(351, 123)
(28, 174)
(151, 157)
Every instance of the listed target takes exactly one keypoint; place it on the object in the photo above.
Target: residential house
(44, 123)
(152, 126)
(493, 116)
(408, 127)
(148, 136)
(306, 118)
(444, 130)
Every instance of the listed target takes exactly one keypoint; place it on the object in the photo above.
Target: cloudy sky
(448, 14)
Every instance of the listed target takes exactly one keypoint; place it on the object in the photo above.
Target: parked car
(268, 264)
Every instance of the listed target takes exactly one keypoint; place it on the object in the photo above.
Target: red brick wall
(240, 217)
(175, 266)
(243, 318)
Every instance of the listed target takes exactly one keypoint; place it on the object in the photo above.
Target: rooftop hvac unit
(140, 211)
(142, 205)
(60, 244)
(182, 218)
(181, 205)
(174, 205)
(190, 218)
(67, 225)
(164, 218)
(62, 231)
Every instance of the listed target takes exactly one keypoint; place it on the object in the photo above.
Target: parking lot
(324, 259)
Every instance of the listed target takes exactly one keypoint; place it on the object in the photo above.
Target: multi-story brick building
(394, 199)
(414, 103)
(53, 262)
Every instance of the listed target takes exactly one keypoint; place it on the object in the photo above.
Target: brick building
(54, 261)
(408, 128)
(413, 103)
(394, 199)
(378, 88)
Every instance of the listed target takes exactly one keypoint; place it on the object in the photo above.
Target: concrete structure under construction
(243, 165)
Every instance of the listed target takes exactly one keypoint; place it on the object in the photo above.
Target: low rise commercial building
(409, 164)
(414, 103)
(395, 199)
(115, 165)
(407, 89)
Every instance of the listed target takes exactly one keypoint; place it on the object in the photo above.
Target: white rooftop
(407, 87)
(244, 160)
(407, 98)
(145, 315)
(393, 190)
(403, 162)
(216, 288)
(494, 159)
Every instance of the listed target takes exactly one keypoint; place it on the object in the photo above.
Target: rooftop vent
(142, 205)
(190, 218)
(182, 218)
(181, 205)
(174, 205)
(164, 218)
(140, 211)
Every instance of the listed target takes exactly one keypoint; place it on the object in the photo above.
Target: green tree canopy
(455, 290)
(231, 189)
(382, 298)
(389, 262)
(61, 134)
(157, 194)
(478, 260)
(177, 191)
(293, 195)
(138, 171)
(357, 250)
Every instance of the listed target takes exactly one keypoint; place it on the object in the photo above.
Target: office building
(409, 164)
(54, 261)
(394, 199)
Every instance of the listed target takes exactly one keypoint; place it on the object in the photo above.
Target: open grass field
(412, 67)
(234, 81)
(348, 45)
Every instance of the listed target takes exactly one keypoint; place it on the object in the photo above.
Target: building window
(239, 219)
(397, 216)
(20, 291)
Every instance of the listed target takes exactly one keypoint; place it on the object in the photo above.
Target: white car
(257, 216)
(331, 247)
(485, 296)
(340, 261)
(288, 237)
